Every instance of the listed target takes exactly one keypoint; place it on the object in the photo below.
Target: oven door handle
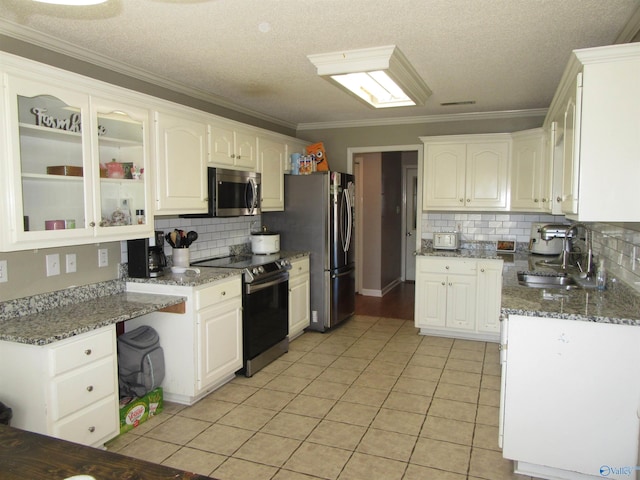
(253, 288)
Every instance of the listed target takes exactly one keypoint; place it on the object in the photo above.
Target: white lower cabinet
(72, 392)
(203, 347)
(458, 297)
(570, 398)
(299, 297)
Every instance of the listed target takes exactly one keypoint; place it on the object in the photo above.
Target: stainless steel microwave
(232, 193)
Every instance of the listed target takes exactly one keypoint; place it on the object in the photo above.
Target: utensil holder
(180, 257)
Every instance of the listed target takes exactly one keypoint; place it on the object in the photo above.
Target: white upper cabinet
(75, 165)
(530, 172)
(596, 110)
(181, 181)
(271, 158)
(233, 147)
(466, 172)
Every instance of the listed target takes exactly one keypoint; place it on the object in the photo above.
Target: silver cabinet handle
(443, 283)
(87, 351)
(447, 267)
(482, 270)
(90, 388)
(461, 200)
(92, 429)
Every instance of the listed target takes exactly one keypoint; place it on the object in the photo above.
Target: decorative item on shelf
(54, 224)
(127, 168)
(320, 156)
(140, 217)
(115, 169)
(69, 223)
(65, 170)
(306, 165)
(71, 124)
(136, 173)
(103, 170)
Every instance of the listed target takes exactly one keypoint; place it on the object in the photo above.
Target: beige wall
(391, 223)
(27, 270)
(369, 182)
(338, 140)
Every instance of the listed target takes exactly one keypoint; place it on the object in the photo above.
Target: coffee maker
(146, 256)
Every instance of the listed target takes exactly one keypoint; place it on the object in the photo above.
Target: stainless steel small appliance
(146, 256)
(265, 306)
(232, 193)
(540, 246)
(446, 240)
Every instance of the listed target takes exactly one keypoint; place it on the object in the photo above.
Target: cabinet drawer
(80, 352)
(299, 267)
(447, 265)
(218, 293)
(76, 390)
(94, 424)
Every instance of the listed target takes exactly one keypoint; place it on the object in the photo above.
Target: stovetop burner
(254, 266)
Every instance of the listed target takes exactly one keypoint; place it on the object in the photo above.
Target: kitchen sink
(547, 280)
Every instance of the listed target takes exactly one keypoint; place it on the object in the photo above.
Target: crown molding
(453, 117)
(48, 42)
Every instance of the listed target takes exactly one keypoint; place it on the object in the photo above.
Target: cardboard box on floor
(138, 410)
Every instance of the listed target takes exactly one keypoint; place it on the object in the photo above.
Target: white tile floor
(370, 400)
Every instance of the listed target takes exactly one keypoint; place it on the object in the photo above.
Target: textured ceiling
(503, 54)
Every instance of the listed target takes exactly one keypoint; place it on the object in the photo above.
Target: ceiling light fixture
(72, 2)
(380, 76)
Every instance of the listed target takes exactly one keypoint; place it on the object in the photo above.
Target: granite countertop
(203, 275)
(476, 253)
(617, 304)
(65, 321)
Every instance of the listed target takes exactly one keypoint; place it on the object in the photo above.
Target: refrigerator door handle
(338, 275)
(349, 217)
(345, 207)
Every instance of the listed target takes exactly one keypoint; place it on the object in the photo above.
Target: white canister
(180, 257)
(265, 243)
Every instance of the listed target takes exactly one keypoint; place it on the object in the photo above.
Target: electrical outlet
(53, 264)
(4, 274)
(103, 257)
(71, 262)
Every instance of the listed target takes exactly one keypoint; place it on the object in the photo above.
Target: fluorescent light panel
(382, 76)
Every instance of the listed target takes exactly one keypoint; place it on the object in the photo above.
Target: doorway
(357, 163)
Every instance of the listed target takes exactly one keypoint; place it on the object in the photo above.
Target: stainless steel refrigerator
(318, 218)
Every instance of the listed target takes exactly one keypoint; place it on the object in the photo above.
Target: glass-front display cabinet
(78, 167)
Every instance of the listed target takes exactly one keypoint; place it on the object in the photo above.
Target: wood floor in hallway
(397, 303)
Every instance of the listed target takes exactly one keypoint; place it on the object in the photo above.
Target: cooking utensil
(191, 237)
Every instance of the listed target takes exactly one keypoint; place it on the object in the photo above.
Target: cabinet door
(461, 301)
(489, 296)
(431, 300)
(299, 305)
(123, 138)
(444, 176)
(222, 145)
(571, 154)
(271, 165)
(50, 177)
(246, 156)
(219, 342)
(528, 179)
(181, 180)
(486, 175)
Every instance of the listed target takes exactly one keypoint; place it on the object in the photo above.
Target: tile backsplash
(215, 235)
(617, 244)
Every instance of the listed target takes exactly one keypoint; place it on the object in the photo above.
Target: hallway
(397, 303)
